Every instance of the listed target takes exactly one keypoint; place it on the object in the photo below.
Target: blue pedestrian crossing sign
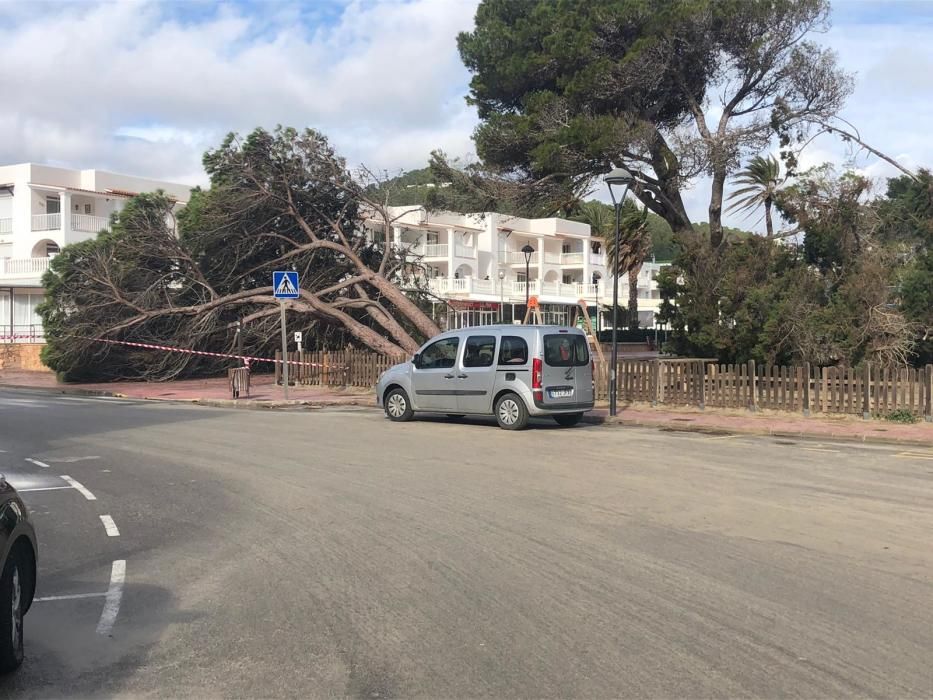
(285, 284)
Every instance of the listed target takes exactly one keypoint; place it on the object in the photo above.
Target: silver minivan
(510, 372)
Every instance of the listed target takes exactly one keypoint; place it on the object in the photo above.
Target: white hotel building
(475, 265)
(42, 209)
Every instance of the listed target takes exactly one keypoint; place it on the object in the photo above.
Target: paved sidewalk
(714, 420)
(214, 391)
(265, 394)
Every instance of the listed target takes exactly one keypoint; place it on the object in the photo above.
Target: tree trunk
(769, 225)
(406, 306)
(715, 208)
(633, 297)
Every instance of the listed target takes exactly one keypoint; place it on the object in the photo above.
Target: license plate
(560, 393)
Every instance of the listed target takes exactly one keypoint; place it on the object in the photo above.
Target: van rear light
(536, 374)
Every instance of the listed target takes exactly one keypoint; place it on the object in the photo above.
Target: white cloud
(127, 86)
(146, 87)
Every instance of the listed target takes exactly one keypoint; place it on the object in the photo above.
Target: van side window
(479, 351)
(440, 355)
(568, 350)
(513, 351)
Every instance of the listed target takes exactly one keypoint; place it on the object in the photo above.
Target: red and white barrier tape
(246, 358)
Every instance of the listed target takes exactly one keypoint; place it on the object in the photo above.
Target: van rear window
(566, 350)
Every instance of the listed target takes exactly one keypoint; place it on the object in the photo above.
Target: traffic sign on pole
(285, 284)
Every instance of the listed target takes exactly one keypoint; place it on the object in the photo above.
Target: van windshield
(566, 350)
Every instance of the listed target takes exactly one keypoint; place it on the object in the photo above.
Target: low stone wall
(23, 356)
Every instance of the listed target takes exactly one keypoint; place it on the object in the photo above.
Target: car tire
(567, 420)
(511, 413)
(13, 593)
(398, 406)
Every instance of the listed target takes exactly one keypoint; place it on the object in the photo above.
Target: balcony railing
(571, 258)
(516, 257)
(92, 224)
(23, 267)
(46, 222)
(6, 226)
(464, 251)
(514, 290)
(598, 259)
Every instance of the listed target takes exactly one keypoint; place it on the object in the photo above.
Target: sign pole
(284, 351)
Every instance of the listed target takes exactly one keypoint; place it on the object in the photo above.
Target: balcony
(514, 291)
(571, 259)
(79, 222)
(464, 251)
(46, 222)
(23, 268)
(6, 226)
(91, 224)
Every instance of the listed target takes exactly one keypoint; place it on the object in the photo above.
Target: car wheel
(398, 406)
(511, 412)
(12, 609)
(568, 419)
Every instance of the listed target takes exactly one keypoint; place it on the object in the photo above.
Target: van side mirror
(416, 360)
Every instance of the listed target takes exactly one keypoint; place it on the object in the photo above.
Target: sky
(145, 88)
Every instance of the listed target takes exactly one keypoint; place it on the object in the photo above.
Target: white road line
(37, 462)
(913, 455)
(819, 449)
(110, 526)
(114, 594)
(80, 488)
(45, 488)
(73, 596)
(720, 437)
(71, 460)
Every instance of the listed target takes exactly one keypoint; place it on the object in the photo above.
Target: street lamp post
(528, 251)
(501, 296)
(618, 177)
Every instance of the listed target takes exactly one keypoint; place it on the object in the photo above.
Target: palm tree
(634, 243)
(760, 182)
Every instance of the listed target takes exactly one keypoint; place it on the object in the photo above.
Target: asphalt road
(314, 553)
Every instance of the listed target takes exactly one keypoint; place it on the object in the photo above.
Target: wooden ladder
(581, 311)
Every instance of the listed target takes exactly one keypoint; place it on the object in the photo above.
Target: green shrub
(901, 415)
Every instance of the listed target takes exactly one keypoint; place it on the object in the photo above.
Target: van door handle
(448, 376)
(462, 376)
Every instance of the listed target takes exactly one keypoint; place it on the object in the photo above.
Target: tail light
(536, 375)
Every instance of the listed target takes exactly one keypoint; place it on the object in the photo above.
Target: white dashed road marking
(110, 526)
(73, 596)
(114, 594)
(37, 462)
(80, 488)
(46, 488)
(71, 460)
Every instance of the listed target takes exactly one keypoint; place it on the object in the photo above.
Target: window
(440, 355)
(566, 350)
(53, 205)
(480, 351)
(87, 209)
(565, 248)
(513, 351)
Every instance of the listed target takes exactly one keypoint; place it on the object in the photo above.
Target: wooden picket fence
(868, 390)
(335, 368)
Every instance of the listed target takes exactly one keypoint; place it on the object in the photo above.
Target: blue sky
(145, 87)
